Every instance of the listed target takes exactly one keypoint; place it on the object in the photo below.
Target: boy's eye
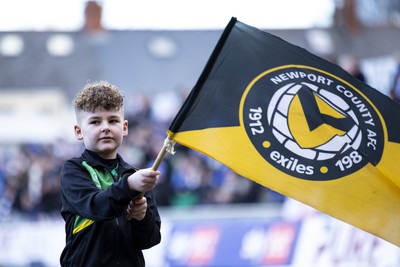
(94, 122)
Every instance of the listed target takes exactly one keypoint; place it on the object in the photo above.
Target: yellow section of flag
(362, 199)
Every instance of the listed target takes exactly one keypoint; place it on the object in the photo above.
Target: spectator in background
(395, 89)
(351, 64)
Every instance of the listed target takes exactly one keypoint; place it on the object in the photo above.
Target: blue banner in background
(231, 243)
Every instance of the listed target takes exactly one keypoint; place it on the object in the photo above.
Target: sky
(67, 15)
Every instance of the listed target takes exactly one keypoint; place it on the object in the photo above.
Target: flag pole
(167, 147)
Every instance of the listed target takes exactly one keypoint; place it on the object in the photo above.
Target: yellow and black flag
(300, 125)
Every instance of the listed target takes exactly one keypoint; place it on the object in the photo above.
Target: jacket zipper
(115, 178)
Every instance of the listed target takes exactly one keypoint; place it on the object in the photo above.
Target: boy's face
(102, 131)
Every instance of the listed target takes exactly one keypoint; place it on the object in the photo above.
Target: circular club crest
(311, 124)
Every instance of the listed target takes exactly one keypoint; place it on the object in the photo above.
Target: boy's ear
(78, 132)
(125, 130)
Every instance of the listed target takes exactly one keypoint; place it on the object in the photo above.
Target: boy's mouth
(105, 138)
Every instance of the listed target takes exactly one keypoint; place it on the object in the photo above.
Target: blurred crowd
(30, 173)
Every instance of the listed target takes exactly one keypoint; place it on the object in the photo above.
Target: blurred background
(154, 51)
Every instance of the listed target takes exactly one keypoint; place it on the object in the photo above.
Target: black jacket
(94, 206)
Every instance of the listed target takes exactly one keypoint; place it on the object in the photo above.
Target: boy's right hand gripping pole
(167, 147)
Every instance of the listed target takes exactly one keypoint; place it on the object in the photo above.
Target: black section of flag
(242, 53)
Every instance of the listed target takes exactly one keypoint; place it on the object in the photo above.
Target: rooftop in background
(155, 60)
(67, 15)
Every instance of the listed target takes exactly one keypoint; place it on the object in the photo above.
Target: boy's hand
(143, 180)
(137, 209)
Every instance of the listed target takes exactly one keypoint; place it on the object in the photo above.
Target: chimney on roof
(93, 17)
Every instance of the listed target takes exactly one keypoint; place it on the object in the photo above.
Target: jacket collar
(93, 159)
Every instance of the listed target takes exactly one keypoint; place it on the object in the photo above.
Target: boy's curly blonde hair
(99, 95)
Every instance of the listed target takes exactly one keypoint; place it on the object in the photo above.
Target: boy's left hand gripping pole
(167, 147)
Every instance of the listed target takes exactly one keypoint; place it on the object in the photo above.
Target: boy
(107, 223)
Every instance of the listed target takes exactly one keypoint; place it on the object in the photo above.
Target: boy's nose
(105, 128)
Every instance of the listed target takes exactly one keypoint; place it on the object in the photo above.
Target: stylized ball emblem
(311, 124)
(278, 112)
